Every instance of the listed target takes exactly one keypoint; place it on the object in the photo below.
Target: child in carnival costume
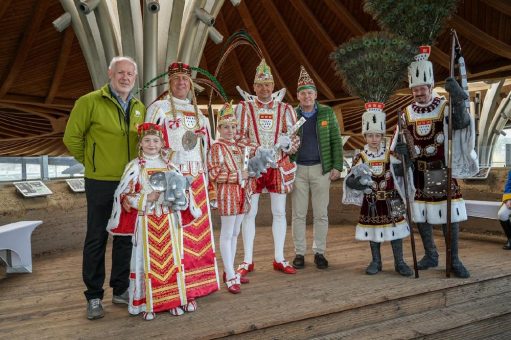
(382, 202)
(505, 212)
(226, 171)
(157, 281)
(372, 67)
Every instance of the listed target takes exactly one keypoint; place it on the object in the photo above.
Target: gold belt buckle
(380, 195)
(422, 165)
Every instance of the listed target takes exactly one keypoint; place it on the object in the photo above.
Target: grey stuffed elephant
(258, 164)
(360, 178)
(458, 98)
(174, 185)
(175, 194)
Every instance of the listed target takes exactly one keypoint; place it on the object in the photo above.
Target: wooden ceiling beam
(65, 51)
(246, 17)
(221, 24)
(30, 35)
(501, 6)
(440, 57)
(346, 18)
(27, 101)
(295, 48)
(314, 25)
(3, 7)
(30, 110)
(480, 38)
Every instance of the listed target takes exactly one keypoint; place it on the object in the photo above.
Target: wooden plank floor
(49, 303)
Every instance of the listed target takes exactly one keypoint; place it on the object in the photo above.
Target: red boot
(284, 267)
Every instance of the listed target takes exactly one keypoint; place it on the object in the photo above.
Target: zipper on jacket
(94, 156)
(126, 131)
(317, 139)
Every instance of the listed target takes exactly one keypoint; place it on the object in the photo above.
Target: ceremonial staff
(455, 59)
(449, 166)
(402, 139)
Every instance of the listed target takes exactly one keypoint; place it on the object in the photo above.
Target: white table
(16, 245)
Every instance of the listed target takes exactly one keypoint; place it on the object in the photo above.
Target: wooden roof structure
(42, 71)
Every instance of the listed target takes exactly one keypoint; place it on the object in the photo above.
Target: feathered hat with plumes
(418, 21)
(372, 67)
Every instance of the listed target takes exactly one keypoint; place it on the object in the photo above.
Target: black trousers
(100, 197)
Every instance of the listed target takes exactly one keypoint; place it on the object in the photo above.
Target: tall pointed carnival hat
(305, 82)
(226, 115)
(372, 67)
(263, 73)
(418, 21)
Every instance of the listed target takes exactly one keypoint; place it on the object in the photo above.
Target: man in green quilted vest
(319, 160)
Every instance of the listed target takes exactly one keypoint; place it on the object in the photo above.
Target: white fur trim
(420, 73)
(382, 233)
(373, 121)
(436, 212)
(131, 172)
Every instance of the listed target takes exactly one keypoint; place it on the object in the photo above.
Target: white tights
(504, 213)
(228, 240)
(279, 226)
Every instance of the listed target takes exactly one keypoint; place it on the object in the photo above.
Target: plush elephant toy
(175, 193)
(174, 185)
(258, 164)
(360, 178)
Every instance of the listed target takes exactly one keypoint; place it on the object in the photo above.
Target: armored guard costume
(382, 200)
(427, 123)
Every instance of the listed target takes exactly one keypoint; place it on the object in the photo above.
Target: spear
(448, 243)
(402, 139)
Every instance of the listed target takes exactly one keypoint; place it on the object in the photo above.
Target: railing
(38, 168)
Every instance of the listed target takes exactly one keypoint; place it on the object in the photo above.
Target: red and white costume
(260, 125)
(198, 245)
(225, 165)
(157, 277)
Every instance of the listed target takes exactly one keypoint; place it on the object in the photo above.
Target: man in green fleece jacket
(319, 161)
(101, 133)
